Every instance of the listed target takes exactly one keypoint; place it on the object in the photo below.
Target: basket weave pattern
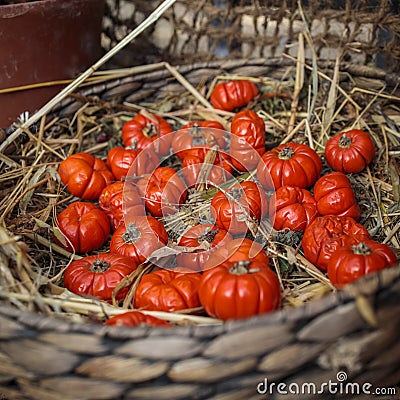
(208, 30)
(54, 359)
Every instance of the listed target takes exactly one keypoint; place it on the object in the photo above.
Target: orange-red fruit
(349, 152)
(120, 199)
(84, 227)
(292, 208)
(196, 137)
(139, 238)
(335, 196)
(247, 140)
(328, 233)
(135, 318)
(233, 94)
(151, 130)
(351, 262)
(167, 290)
(239, 291)
(240, 249)
(235, 208)
(84, 175)
(208, 235)
(163, 191)
(127, 162)
(99, 275)
(289, 164)
(193, 167)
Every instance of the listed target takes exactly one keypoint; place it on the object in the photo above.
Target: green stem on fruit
(344, 141)
(99, 266)
(240, 267)
(286, 154)
(361, 249)
(132, 234)
(149, 131)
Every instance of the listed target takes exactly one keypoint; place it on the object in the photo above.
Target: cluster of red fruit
(221, 270)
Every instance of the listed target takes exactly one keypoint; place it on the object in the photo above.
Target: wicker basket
(47, 351)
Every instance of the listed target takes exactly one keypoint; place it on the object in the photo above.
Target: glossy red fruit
(209, 237)
(247, 140)
(167, 290)
(197, 136)
(239, 291)
(145, 130)
(233, 94)
(241, 249)
(335, 196)
(289, 164)
(292, 208)
(118, 199)
(195, 169)
(163, 191)
(328, 233)
(99, 275)
(351, 262)
(139, 238)
(135, 318)
(84, 175)
(238, 206)
(128, 161)
(349, 152)
(84, 227)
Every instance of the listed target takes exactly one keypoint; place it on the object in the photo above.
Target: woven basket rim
(369, 285)
(392, 80)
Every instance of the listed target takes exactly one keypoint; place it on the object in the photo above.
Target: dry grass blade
(366, 309)
(18, 193)
(205, 168)
(308, 36)
(331, 102)
(51, 246)
(21, 274)
(298, 83)
(212, 114)
(98, 77)
(33, 183)
(294, 131)
(394, 171)
(188, 86)
(134, 277)
(301, 293)
(71, 303)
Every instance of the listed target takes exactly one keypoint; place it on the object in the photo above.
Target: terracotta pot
(44, 41)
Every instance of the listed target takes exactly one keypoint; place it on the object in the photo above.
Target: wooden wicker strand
(233, 355)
